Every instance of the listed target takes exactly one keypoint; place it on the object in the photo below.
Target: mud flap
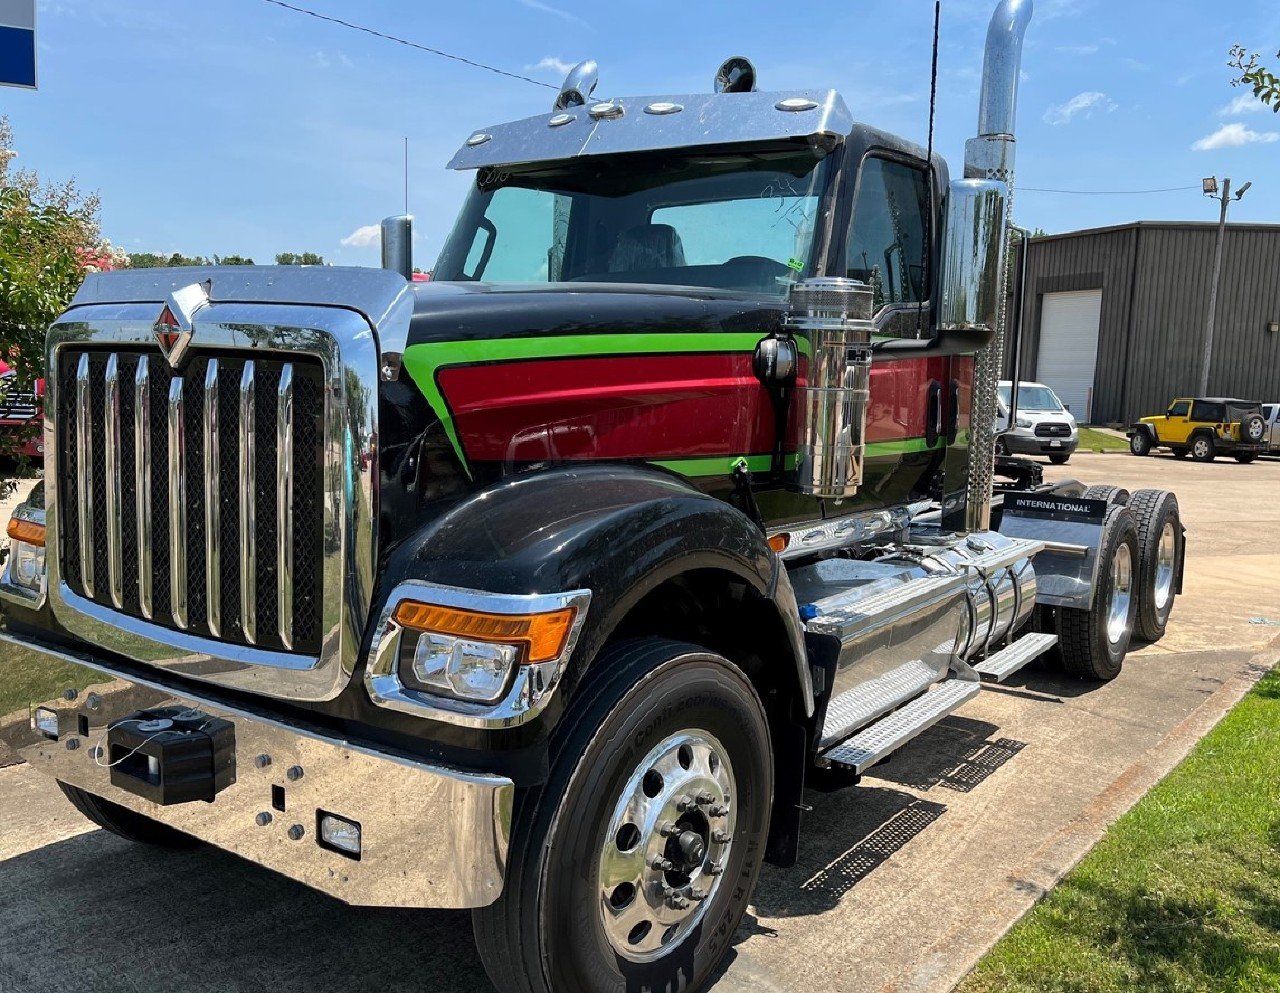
(1071, 527)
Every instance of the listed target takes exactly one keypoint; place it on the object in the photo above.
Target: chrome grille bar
(177, 505)
(248, 490)
(142, 479)
(212, 510)
(84, 472)
(113, 482)
(284, 503)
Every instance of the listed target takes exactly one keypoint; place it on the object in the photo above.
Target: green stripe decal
(722, 465)
(423, 361)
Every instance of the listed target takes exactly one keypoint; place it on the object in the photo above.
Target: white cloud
(559, 66)
(1077, 49)
(1080, 104)
(363, 237)
(1244, 103)
(546, 8)
(1233, 136)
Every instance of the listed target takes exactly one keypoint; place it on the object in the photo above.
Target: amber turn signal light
(541, 636)
(779, 542)
(28, 531)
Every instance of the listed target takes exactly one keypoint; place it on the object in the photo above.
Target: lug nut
(697, 894)
(678, 903)
(666, 829)
(686, 802)
(721, 837)
(658, 862)
(719, 810)
(705, 798)
(715, 868)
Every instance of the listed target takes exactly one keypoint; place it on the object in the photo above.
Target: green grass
(26, 678)
(1183, 892)
(1100, 441)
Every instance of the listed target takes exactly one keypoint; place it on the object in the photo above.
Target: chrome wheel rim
(667, 843)
(1166, 559)
(1201, 448)
(1255, 430)
(1121, 594)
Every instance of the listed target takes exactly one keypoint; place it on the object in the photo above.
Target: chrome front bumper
(432, 836)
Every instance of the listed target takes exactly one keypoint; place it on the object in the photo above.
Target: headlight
(1025, 422)
(28, 565)
(470, 670)
(470, 654)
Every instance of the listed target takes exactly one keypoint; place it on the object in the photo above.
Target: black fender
(617, 530)
(1148, 430)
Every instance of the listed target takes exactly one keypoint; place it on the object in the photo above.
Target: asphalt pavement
(902, 884)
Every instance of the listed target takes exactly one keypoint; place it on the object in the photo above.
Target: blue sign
(18, 43)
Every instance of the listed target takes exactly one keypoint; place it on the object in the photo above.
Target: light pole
(1210, 187)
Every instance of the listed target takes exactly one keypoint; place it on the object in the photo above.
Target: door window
(1203, 411)
(1179, 409)
(887, 240)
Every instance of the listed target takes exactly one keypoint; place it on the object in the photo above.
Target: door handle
(933, 414)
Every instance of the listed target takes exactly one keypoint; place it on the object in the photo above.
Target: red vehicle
(20, 416)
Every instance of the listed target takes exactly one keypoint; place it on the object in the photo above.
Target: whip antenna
(928, 223)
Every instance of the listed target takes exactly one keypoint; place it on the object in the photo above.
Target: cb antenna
(406, 174)
(928, 223)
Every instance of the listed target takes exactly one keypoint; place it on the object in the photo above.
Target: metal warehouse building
(1114, 318)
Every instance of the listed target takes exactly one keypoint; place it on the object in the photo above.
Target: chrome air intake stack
(988, 163)
(833, 315)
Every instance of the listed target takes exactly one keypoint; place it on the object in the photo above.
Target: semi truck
(541, 589)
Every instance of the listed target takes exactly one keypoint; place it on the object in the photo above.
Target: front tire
(1094, 641)
(1203, 448)
(632, 866)
(1140, 443)
(1060, 459)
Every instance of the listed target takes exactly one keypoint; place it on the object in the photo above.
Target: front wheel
(1140, 443)
(1060, 459)
(1203, 448)
(632, 867)
(124, 822)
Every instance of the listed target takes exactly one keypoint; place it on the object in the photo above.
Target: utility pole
(1210, 187)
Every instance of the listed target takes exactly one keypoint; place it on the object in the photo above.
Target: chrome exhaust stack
(976, 239)
(833, 315)
(397, 244)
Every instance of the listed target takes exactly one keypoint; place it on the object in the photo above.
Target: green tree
(1253, 74)
(304, 258)
(232, 260)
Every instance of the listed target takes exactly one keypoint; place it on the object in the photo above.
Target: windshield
(734, 222)
(1031, 397)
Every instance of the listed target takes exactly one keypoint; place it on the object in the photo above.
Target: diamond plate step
(834, 613)
(1004, 663)
(869, 746)
(856, 707)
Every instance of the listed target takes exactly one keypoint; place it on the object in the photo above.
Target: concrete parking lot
(902, 883)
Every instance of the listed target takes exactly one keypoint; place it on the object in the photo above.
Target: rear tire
(1244, 458)
(1140, 443)
(125, 822)
(576, 912)
(1203, 448)
(1094, 641)
(1107, 492)
(1160, 538)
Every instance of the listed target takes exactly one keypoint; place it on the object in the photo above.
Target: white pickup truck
(1271, 414)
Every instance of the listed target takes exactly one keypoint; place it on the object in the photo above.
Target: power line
(407, 43)
(1108, 193)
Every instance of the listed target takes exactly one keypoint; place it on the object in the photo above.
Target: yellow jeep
(1203, 427)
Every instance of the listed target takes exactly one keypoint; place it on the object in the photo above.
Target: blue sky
(233, 126)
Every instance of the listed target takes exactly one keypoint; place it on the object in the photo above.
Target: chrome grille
(193, 499)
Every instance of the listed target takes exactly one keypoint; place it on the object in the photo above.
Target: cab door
(1175, 428)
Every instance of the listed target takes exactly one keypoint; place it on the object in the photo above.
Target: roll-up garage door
(1069, 347)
